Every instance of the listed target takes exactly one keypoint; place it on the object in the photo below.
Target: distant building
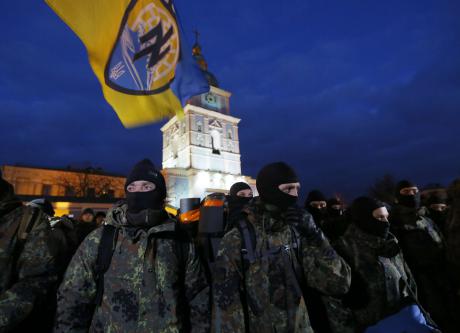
(69, 190)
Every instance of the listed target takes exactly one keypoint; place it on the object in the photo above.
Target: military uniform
(381, 280)
(453, 243)
(146, 288)
(265, 295)
(27, 267)
(424, 250)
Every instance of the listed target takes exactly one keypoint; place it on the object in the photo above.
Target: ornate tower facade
(201, 151)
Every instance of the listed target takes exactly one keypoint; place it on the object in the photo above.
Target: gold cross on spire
(197, 35)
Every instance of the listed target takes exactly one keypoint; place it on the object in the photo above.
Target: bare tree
(384, 189)
(87, 183)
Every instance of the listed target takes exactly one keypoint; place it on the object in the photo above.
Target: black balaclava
(268, 181)
(439, 217)
(332, 212)
(236, 203)
(44, 205)
(139, 201)
(318, 214)
(238, 187)
(410, 201)
(361, 212)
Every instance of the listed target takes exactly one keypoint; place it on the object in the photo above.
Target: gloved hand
(296, 217)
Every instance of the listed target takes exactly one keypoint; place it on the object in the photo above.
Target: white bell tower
(201, 151)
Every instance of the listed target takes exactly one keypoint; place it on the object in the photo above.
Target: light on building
(61, 208)
(229, 181)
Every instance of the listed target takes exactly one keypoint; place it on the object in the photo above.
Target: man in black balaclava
(334, 207)
(437, 209)
(423, 248)
(145, 194)
(240, 194)
(85, 224)
(268, 231)
(278, 185)
(241, 190)
(154, 266)
(371, 216)
(408, 194)
(28, 266)
(336, 221)
(316, 205)
(381, 281)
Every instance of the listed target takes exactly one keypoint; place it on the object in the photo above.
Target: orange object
(190, 216)
(213, 203)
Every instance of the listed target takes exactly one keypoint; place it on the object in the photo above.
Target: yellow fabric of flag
(102, 25)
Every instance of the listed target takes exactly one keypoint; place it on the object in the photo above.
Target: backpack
(249, 255)
(107, 245)
(315, 306)
(65, 241)
(42, 315)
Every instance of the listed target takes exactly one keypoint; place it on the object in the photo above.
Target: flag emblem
(146, 52)
(138, 54)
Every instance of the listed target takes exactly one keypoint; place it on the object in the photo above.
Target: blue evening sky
(345, 91)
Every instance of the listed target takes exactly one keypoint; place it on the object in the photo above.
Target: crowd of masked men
(233, 263)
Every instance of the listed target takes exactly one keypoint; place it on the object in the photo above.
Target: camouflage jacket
(145, 287)
(267, 287)
(453, 235)
(27, 268)
(379, 272)
(419, 238)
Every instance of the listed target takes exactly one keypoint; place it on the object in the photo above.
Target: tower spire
(197, 54)
(196, 50)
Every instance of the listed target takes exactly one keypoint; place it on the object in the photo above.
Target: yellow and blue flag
(137, 53)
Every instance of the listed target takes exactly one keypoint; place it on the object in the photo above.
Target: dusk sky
(344, 91)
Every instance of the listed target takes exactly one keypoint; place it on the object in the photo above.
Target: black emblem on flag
(144, 58)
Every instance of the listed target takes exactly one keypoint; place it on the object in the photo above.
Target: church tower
(201, 152)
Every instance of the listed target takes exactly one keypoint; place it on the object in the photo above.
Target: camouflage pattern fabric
(453, 248)
(453, 234)
(28, 269)
(340, 317)
(267, 286)
(143, 290)
(423, 247)
(381, 278)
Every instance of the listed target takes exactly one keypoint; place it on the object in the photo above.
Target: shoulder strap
(104, 257)
(181, 240)
(248, 245)
(27, 222)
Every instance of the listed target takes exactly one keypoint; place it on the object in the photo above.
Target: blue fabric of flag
(410, 319)
(189, 80)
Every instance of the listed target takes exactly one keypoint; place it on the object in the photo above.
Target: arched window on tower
(175, 146)
(199, 126)
(215, 141)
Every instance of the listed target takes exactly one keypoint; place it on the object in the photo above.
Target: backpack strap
(248, 245)
(27, 222)
(104, 257)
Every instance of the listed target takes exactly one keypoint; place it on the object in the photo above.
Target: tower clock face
(211, 99)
